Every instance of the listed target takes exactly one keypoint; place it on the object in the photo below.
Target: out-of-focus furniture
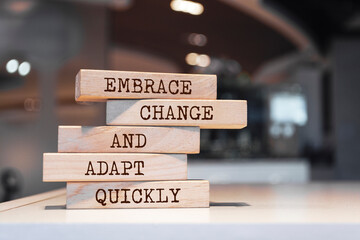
(266, 170)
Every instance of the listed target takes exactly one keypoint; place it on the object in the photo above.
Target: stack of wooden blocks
(139, 159)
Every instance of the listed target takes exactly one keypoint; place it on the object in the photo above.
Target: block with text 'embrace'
(100, 85)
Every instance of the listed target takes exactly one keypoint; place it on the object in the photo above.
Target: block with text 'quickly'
(155, 194)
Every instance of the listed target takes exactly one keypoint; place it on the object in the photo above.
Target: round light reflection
(24, 68)
(203, 60)
(12, 66)
(191, 58)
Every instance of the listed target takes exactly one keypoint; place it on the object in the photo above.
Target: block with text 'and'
(129, 139)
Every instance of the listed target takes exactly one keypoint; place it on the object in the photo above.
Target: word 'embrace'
(136, 85)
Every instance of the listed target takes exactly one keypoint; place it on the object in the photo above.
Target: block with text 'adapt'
(64, 167)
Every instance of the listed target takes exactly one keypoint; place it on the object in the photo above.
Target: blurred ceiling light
(197, 39)
(201, 60)
(121, 5)
(190, 7)
(19, 6)
(12, 66)
(24, 68)
(191, 58)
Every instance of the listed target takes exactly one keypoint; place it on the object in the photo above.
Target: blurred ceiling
(152, 26)
(322, 20)
(124, 31)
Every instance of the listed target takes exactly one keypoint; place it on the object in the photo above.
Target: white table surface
(303, 211)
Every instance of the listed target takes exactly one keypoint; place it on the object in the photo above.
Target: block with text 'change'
(219, 114)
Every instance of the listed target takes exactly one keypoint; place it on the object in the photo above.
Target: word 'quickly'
(137, 195)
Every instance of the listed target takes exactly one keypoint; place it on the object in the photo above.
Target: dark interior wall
(346, 99)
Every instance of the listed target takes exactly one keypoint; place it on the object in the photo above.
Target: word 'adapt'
(103, 168)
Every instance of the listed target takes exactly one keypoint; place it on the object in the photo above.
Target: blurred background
(297, 63)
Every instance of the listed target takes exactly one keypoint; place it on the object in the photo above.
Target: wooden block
(63, 167)
(161, 194)
(98, 85)
(129, 139)
(202, 113)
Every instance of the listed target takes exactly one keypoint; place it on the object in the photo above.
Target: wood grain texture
(220, 114)
(100, 85)
(64, 167)
(129, 139)
(21, 202)
(157, 194)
